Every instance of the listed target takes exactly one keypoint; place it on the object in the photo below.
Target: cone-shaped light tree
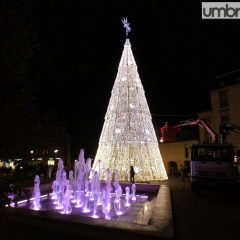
(128, 137)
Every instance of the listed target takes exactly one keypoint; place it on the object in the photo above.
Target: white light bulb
(117, 130)
(131, 105)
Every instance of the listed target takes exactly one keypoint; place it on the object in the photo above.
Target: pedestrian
(132, 174)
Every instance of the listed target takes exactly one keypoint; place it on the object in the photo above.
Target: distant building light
(31, 151)
(51, 162)
(58, 158)
(50, 158)
(12, 165)
(56, 151)
(39, 159)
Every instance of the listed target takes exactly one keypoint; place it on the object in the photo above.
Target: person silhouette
(132, 174)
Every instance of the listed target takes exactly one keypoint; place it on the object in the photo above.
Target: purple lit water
(139, 210)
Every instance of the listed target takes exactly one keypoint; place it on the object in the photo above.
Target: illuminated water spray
(36, 194)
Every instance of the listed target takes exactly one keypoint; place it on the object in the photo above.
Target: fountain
(118, 204)
(89, 195)
(127, 197)
(86, 199)
(133, 192)
(36, 194)
(96, 194)
(67, 207)
(80, 194)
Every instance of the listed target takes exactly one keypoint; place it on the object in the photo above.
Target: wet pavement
(215, 214)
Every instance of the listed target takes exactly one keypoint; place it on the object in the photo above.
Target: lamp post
(31, 152)
(56, 151)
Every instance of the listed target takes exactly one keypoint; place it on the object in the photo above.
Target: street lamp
(56, 151)
(31, 152)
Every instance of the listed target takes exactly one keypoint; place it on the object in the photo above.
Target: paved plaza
(177, 214)
(214, 214)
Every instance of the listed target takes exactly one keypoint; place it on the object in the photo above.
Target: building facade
(39, 141)
(225, 104)
(176, 152)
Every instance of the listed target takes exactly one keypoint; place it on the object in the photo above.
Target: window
(212, 153)
(223, 99)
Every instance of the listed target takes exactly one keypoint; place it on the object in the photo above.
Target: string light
(128, 136)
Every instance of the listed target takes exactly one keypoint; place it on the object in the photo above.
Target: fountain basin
(46, 225)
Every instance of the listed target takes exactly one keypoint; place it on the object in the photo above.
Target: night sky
(80, 44)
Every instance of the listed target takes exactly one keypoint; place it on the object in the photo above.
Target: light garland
(128, 137)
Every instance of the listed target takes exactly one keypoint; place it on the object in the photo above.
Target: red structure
(169, 133)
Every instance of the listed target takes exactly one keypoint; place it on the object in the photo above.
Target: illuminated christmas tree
(128, 137)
